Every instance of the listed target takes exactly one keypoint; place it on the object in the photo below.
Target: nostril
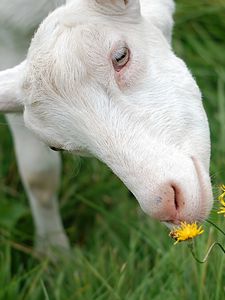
(170, 203)
(179, 199)
(176, 202)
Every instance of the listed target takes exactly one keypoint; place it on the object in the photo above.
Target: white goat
(101, 78)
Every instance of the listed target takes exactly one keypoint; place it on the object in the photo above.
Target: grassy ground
(118, 253)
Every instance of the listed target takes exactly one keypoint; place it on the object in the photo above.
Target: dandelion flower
(186, 232)
(221, 199)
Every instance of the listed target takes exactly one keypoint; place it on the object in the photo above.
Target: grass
(117, 252)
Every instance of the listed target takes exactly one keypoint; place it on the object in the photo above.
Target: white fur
(146, 122)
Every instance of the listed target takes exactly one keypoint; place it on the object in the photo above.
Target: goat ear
(130, 7)
(11, 99)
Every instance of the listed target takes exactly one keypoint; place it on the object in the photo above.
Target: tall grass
(117, 252)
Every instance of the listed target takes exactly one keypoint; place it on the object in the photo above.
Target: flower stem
(217, 227)
(191, 246)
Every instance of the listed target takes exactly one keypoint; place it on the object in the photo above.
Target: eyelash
(120, 58)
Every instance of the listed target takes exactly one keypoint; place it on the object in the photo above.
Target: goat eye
(120, 58)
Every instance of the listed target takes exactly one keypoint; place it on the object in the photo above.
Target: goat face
(100, 79)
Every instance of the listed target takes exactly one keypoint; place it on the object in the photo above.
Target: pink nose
(169, 204)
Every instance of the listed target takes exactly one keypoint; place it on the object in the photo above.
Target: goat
(100, 78)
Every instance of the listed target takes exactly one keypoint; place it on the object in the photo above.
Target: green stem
(191, 246)
(217, 227)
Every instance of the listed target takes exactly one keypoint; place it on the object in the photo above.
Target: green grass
(117, 252)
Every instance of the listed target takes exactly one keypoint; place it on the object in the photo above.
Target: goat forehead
(64, 62)
(86, 41)
(78, 49)
(82, 44)
(80, 18)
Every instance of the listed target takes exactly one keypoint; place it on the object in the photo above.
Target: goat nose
(168, 203)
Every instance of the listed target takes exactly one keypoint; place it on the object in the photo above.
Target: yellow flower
(186, 232)
(221, 199)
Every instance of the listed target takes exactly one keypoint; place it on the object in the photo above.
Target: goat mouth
(171, 223)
